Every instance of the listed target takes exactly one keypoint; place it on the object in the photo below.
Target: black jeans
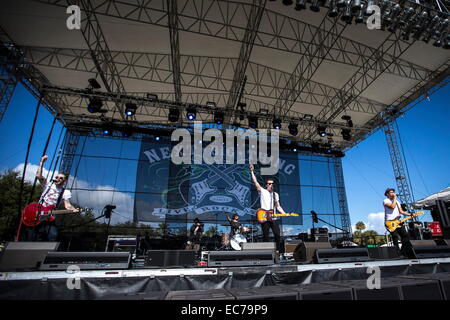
(403, 235)
(275, 226)
(45, 231)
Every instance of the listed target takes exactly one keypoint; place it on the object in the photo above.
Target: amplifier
(258, 246)
(305, 251)
(241, 258)
(25, 255)
(86, 260)
(342, 255)
(431, 252)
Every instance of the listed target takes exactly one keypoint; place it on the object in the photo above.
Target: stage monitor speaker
(342, 255)
(258, 246)
(212, 294)
(305, 251)
(361, 290)
(25, 255)
(442, 277)
(415, 288)
(383, 253)
(321, 291)
(241, 258)
(170, 258)
(423, 243)
(422, 252)
(289, 247)
(86, 260)
(264, 293)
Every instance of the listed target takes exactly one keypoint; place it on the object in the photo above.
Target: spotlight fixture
(357, 5)
(152, 96)
(315, 6)
(94, 84)
(130, 109)
(157, 138)
(127, 132)
(346, 134)
(191, 113)
(107, 130)
(348, 119)
(300, 5)
(174, 115)
(253, 122)
(369, 11)
(347, 13)
(333, 9)
(288, 2)
(218, 117)
(293, 129)
(276, 124)
(321, 131)
(95, 105)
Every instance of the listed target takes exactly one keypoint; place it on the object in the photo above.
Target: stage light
(357, 5)
(157, 138)
(127, 132)
(288, 2)
(276, 124)
(130, 109)
(107, 130)
(321, 131)
(359, 17)
(218, 117)
(300, 5)
(211, 104)
(253, 122)
(348, 119)
(368, 11)
(347, 14)
(191, 113)
(315, 6)
(95, 105)
(394, 17)
(94, 84)
(340, 3)
(293, 129)
(346, 134)
(333, 11)
(174, 115)
(152, 97)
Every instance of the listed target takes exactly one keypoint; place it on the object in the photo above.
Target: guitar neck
(59, 211)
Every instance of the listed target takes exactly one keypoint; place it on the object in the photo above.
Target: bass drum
(236, 241)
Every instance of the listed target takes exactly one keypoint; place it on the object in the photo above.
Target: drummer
(235, 224)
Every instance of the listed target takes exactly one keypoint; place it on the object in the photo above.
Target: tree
(9, 196)
(360, 226)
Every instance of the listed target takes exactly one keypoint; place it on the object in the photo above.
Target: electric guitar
(393, 225)
(35, 213)
(266, 215)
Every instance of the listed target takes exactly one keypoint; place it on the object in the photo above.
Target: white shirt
(268, 200)
(51, 196)
(389, 213)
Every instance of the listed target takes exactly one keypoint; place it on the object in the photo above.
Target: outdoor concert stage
(401, 279)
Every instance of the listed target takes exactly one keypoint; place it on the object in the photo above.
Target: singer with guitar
(392, 211)
(52, 195)
(270, 200)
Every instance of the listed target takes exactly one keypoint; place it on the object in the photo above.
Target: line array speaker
(305, 251)
(342, 255)
(86, 260)
(258, 246)
(170, 258)
(25, 255)
(240, 258)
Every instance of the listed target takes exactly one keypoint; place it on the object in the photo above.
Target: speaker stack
(170, 258)
(426, 249)
(305, 251)
(25, 255)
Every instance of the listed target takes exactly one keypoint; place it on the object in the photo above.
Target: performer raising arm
(269, 200)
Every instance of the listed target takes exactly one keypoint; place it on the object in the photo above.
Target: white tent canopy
(431, 199)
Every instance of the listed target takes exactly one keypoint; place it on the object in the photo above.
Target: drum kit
(245, 234)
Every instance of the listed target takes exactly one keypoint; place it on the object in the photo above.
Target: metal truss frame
(7, 86)
(282, 32)
(342, 197)
(172, 10)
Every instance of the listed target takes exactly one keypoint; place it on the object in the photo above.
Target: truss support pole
(342, 198)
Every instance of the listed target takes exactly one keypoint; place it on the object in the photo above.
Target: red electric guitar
(34, 213)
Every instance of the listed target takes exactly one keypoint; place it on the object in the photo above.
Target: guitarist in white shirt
(51, 195)
(393, 210)
(269, 200)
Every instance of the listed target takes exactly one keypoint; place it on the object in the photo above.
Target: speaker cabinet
(170, 258)
(431, 252)
(442, 277)
(361, 291)
(264, 293)
(321, 291)
(86, 260)
(289, 247)
(342, 255)
(240, 258)
(422, 243)
(383, 253)
(212, 294)
(415, 288)
(304, 252)
(25, 255)
(258, 246)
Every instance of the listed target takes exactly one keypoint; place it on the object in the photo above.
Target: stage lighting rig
(174, 114)
(276, 124)
(348, 119)
(288, 2)
(293, 129)
(94, 84)
(253, 122)
(300, 5)
(191, 113)
(346, 134)
(95, 105)
(130, 109)
(332, 9)
(321, 131)
(219, 117)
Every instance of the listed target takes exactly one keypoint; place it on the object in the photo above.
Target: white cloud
(30, 173)
(374, 221)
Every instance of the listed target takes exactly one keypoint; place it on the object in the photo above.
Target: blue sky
(367, 167)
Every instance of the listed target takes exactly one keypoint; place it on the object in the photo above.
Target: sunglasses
(270, 183)
(60, 178)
